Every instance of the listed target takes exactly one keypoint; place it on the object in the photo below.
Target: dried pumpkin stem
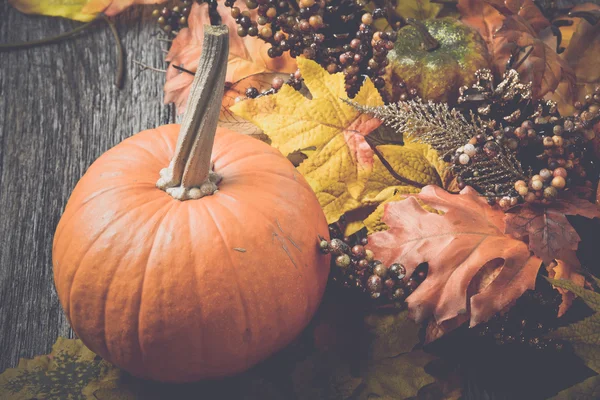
(189, 174)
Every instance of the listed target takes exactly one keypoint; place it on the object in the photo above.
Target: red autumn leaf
(248, 60)
(505, 34)
(547, 229)
(475, 269)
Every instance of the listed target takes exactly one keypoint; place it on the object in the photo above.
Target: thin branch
(145, 67)
(178, 68)
(120, 56)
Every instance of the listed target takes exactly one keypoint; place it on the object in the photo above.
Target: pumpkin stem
(429, 42)
(189, 174)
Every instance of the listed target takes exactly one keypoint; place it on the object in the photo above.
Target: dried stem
(120, 74)
(189, 174)
(145, 67)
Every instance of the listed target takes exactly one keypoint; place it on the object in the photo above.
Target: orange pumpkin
(202, 285)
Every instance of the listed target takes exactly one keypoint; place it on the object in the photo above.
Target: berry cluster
(338, 34)
(535, 135)
(172, 19)
(355, 267)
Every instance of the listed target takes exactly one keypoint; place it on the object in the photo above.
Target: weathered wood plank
(59, 110)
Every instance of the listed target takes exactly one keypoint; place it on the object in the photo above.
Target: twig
(145, 67)
(178, 68)
(120, 57)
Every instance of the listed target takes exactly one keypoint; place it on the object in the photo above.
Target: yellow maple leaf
(79, 10)
(343, 170)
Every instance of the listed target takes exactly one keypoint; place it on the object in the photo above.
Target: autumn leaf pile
(342, 167)
(480, 259)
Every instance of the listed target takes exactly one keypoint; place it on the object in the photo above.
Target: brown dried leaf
(543, 67)
(567, 269)
(506, 33)
(456, 245)
(525, 9)
(482, 17)
(581, 54)
(247, 56)
(547, 229)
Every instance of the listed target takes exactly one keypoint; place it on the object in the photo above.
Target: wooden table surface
(59, 111)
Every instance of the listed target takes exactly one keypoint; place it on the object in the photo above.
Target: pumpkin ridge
(271, 172)
(222, 168)
(243, 303)
(199, 303)
(89, 199)
(156, 228)
(93, 242)
(136, 145)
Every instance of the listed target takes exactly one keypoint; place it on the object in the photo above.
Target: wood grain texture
(59, 111)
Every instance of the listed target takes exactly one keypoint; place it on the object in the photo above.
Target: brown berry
(266, 32)
(358, 251)
(374, 283)
(560, 172)
(316, 21)
(277, 83)
(558, 140)
(550, 193)
(559, 182)
(380, 270)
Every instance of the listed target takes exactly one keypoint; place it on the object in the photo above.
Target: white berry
(464, 159)
(470, 150)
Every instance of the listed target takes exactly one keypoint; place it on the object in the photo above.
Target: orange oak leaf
(505, 34)
(248, 62)
(547, 229)
(475, 269)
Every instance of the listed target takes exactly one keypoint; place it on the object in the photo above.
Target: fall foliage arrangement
(434, 164)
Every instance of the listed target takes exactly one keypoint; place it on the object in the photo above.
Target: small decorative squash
(436, 57)
(206, 272)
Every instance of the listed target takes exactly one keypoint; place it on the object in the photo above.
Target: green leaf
(324, 376)
(70, 372)
(392, 334)
(398, 377)
(584, 336)
(381, 364)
